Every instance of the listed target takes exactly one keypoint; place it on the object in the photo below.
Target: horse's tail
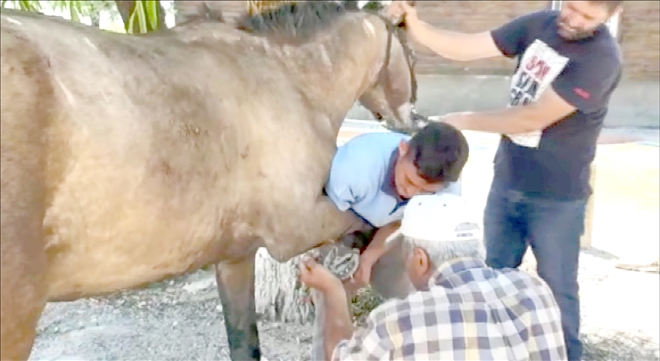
(26, 103)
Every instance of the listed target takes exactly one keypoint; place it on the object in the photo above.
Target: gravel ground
(180, 319)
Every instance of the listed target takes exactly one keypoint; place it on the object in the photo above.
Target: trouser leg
(555, 228)
(505, 230)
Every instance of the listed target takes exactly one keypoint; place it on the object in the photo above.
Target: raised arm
(506, 40)
(454, 45)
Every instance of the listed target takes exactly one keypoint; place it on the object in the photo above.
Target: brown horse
(131, 159)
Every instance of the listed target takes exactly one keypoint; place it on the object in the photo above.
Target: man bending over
(375, 174)
(461, 309)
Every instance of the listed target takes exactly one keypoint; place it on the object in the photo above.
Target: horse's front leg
(236, 287)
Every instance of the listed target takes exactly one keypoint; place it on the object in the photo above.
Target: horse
(130, 159)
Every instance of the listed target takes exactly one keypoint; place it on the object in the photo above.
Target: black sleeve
(587, 82)
(511, 38)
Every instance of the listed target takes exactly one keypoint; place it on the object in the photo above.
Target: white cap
(439, 217)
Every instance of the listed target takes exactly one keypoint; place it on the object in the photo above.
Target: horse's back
(26, 94)
(145, 146)
(160, 149)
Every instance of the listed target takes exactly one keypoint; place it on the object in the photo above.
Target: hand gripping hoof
(341, 260)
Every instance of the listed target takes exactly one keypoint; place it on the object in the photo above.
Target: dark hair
(439, 151)
(293, 20)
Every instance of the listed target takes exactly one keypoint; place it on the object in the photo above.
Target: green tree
(139, 16)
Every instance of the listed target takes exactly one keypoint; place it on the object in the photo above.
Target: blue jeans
(514, 220)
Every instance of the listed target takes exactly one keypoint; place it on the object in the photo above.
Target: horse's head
(392, 95)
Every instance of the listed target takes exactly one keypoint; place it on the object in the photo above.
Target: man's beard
(572, 34)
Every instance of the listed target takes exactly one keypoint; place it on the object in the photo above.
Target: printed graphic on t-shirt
(539, 67)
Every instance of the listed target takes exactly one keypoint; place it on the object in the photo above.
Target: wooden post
(585, 240)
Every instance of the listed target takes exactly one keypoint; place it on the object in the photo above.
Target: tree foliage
(139, 16)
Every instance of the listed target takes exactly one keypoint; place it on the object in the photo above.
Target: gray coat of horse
(130, 159)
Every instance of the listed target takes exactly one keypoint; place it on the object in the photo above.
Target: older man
(461, 309)
(568, 65)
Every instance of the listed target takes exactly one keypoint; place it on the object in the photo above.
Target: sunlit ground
(627, 195)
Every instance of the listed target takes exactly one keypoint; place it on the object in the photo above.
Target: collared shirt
(362, 178)
(469, 312)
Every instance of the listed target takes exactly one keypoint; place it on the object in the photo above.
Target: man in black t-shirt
(568, 66)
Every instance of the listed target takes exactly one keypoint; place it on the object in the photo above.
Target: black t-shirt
(555, 162)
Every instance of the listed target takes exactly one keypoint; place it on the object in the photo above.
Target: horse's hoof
(339, 259)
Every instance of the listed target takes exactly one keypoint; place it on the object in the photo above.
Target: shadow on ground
(600, 254)
(619, 346)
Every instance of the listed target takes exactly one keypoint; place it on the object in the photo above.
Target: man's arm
(507, 40)
(585, 86)
(371, 342)
(377, 247)
(454, 45)
(343, 187)
(549, 109)
(337, 324)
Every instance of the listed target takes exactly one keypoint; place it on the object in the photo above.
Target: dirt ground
(181, 319)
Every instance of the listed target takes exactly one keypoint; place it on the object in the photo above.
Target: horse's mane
(295, 21)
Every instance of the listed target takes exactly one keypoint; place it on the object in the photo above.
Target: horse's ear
(187, 11)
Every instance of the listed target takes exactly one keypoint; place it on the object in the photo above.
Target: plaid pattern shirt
(470, 312)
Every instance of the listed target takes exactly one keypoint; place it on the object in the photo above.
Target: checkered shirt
(470, 312)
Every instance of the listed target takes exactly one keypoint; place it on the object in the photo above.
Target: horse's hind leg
(23, 300)
(27, 99)
(236, 287)
(22, 256)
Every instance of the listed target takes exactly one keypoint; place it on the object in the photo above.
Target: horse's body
(130, 159)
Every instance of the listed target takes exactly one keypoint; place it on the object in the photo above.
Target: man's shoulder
(602, 52)
(397, 309)
(537, 21)
(519, 277)
(544, 14)
(491, 281)
(495, 286)
(367, 150)
(523, 285)
(378, 139)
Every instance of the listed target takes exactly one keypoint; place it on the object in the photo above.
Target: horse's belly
(106, 236)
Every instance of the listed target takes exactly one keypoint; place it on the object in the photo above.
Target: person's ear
(403, 148)
(422, 263)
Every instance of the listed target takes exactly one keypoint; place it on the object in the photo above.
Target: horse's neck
(333, 70)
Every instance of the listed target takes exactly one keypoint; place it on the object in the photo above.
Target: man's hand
(318, 277)
(362, 275)
(453, 119)
(401, 10)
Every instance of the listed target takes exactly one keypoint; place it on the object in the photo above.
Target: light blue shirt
(362, 179)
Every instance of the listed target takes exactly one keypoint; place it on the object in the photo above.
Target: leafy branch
(139, 16)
